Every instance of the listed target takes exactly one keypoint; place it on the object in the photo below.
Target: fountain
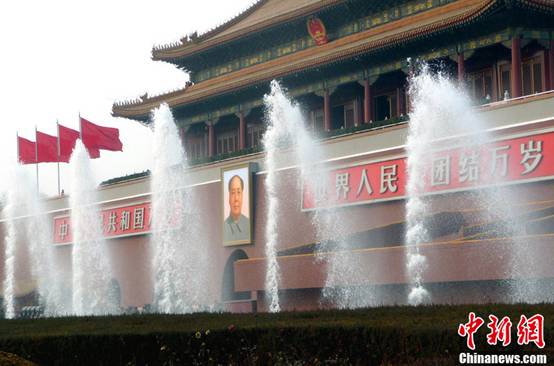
(28, 251)
(19, 200)
(331, 231)
(333, 234)
(441, 109)
(181, 267)
(10, 259)
(92, 274)
(283, 117)
(46, 264)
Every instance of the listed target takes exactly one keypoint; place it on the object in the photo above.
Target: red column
(516, 67)
(327, 110)
(211, 138)
(242, 131)
(551, 66)
(461, 67)
(367, 102)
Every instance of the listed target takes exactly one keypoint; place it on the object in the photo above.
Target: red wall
(450, 262)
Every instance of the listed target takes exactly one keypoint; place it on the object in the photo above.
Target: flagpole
(36, 157)
(58, 128)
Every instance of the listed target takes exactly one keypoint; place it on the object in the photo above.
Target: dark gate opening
(228, 292)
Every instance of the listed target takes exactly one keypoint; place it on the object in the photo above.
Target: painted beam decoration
(116, 222)
(509, 161)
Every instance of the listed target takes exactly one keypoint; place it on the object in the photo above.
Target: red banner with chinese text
(356, 184)
(128, 220)
(507, 161)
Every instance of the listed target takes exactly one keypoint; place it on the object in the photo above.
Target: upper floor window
(480, 85)
(385, 106)
(196, 148)
(227, 142)
(255, 134)
(504, 80)
(343, 115)
(532, 75)
(350, 113)
(318, 120)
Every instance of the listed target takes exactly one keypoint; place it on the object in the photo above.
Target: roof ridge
(195, 37)
(252, 8)
(195, 43)
(147, 97)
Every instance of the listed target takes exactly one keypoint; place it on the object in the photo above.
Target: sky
(62, 58)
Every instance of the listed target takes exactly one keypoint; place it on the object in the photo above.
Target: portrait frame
(245, 171)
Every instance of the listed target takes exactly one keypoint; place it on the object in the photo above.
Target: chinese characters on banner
(512, 160)
(529, 330)
(115, 222)
(361, 183)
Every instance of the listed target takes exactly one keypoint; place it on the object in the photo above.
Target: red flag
(68, 137)
(100, 137)
(26, 150)
(93, 152)
(47, 148)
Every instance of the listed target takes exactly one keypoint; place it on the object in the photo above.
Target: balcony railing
(323, 135)
(366, 127)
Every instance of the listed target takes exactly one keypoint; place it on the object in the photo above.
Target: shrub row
(380, 336)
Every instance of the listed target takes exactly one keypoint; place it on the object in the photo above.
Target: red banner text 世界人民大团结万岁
(515, 160)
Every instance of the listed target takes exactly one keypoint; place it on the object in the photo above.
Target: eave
(371, 40)
(197, 44)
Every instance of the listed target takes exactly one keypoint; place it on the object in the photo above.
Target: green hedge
(381, 336)
(343, 345)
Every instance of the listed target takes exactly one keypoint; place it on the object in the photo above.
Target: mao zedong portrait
(236, 225)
